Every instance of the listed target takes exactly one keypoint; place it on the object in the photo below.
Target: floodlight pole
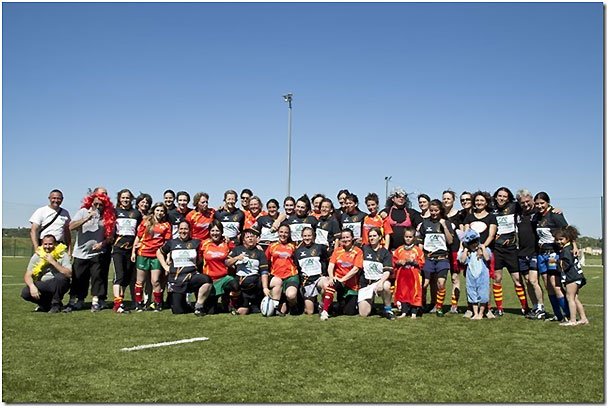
(387, 178)
(288, 98)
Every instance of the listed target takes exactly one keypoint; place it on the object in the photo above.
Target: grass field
(77, 357)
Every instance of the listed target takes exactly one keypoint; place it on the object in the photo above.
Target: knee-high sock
(328, 298)
(556, 306)
(440, 295)
(564, 306)
(454, 300)
(522, 297)
(498, 295)
(139, 293)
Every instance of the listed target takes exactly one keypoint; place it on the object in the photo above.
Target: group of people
(309, 258)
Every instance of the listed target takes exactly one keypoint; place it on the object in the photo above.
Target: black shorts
(506, 258)
(527, 263)
(437, 267)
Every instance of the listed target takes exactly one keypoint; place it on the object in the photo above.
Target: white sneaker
(454, 310)
(324, 315)
(468, 314)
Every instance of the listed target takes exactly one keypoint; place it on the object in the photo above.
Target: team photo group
(307, 256)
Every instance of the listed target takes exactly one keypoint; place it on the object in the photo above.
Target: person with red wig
(94, 226)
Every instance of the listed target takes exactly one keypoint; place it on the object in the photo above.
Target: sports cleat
(40, 309)
(54, 309)
(102, 304)
(95, 308)
(439, 313)
(552, 319)
(433, 310)
(156, 306)
(121, 310)
(500, 312)
(199, 312)
(139, 308)
(324, 315)
(79, 305)
(454, 310)
(468, 314)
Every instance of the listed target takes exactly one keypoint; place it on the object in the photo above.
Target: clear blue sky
(189, 96)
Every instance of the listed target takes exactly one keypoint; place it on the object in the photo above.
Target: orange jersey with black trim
(344, 261)
(214, 256)
(250, 219)
(199, 223)
(408, 278)
(371, 222)
(281, 259)
(150, 243)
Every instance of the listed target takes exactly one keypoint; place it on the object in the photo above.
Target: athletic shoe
(324, 315)
(540, 314)
(454, 310)
(79, 305)
(40, 309)
(55, 309)
(439, 313)
(199, 312)
(552, 319)
(433, 310)
(490, 314)
(500, 312)
(389, 315)
(403, 315)
(139, 308)
(156, 306)
(102, 304)
(468, 314)
(232, 310)
(525, 312)
(95, 307)
(121, 310)
(68, 309)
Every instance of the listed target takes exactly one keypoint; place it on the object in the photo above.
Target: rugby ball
(267, 307)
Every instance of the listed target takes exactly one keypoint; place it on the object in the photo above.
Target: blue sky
(189, 96)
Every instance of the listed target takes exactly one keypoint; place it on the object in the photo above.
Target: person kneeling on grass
(375, 279)
(284, 278)
(48, 275)
(345, 263)
(250, 263)
(180, 259)
(477, 259)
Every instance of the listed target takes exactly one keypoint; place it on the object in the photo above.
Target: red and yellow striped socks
(440, 295)
(498, 295)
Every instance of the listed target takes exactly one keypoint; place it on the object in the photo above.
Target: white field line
(166, 343)
(13, 284)
(594, 305)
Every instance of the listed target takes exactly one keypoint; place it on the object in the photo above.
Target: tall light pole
(288, 98)
(387, 178)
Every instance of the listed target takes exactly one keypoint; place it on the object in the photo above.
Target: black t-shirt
(546, 225)
(297, 224)
(481, 226)
(526, 234)
(328, 231)
(184, 257)
(311, 260)
(125, 229)
(376, 262)
(455, 222)
(569, 266)
(264, 224)
(255, 262)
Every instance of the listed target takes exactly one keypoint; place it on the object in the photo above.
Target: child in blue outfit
(477, 273)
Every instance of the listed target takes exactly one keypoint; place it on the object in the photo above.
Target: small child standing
(408, 260)
(477, 273)
(571, 273)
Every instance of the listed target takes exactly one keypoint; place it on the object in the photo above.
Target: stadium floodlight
(288, 98)
(387, 178)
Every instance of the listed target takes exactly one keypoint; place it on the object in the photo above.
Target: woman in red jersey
(151, 235)
(201, 217)
(284, 274)
(215, 251)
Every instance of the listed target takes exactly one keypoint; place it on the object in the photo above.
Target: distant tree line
(20, 232)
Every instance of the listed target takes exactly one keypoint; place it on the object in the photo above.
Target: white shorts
(310, 290)
(367, 293)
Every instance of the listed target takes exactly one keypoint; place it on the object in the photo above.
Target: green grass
(77, 358)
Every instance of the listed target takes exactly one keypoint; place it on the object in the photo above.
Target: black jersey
(184, 256)
(525, 224)
(434, 240)
(297, 224)
(506, 225)
(255, 262)
(481, 226)
(570, 267)
(328, 231)
(125, 229)
(264, 224)
(455, 222)
(175, 217)
(376, 262)
(354, 222)
(547, 224)
(311, 260)
(232, 222)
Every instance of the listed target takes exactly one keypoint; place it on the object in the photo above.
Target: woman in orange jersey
(284, 274)
(408, 260)
(214, 252)
(201, 217)
(253, 212)
(151, 235)
(343, 275)
(316, 204)
(372, 220)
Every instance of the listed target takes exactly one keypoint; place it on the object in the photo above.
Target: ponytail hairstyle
(305, 199)
(108, 213)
